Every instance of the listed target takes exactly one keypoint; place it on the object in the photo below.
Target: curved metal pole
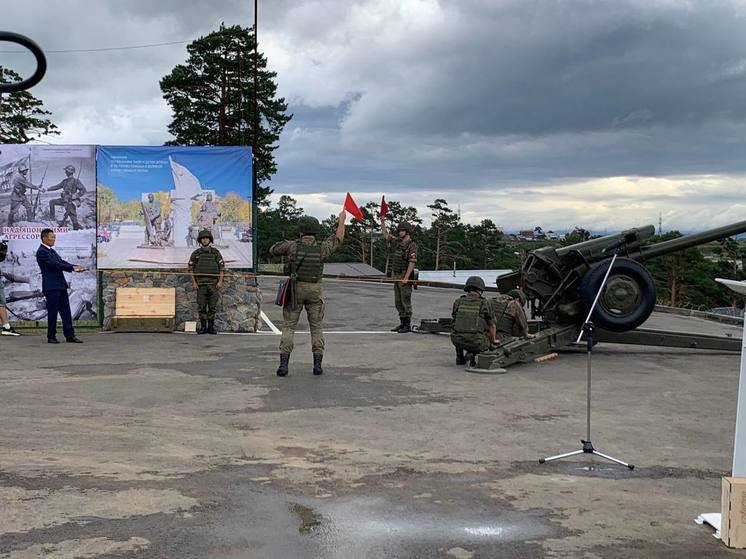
(41, 62)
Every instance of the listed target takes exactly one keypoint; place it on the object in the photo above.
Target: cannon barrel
(687, 241)
(598, 249)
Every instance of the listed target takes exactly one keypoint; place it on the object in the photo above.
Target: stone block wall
(238, 310)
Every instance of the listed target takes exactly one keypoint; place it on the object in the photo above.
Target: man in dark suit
(54, 286)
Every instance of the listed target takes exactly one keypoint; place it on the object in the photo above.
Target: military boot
(405, 325)
(211, 327)
(282, 370)
(317, 357)
(202, 327)
(460, 359)
(472, 359)
(396, 328)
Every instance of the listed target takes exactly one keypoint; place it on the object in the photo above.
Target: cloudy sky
(527, 112)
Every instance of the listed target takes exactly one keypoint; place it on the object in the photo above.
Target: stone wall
(238, 309)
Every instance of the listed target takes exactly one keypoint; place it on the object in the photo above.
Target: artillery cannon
(561, 284)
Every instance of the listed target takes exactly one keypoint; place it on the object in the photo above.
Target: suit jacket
(52, 266)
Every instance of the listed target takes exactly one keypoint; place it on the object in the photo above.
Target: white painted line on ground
(268, 322)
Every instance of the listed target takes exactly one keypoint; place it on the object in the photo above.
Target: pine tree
(212, 98)
(22, 116)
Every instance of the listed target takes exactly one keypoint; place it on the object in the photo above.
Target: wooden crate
(733, 516)
(142, 302)
(142, 324)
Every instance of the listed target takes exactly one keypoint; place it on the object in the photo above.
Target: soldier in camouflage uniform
(19, 197)
(403, 260)
(72, 192)
(206, 266)
(509, 315)
(473, 322)
(307, 257)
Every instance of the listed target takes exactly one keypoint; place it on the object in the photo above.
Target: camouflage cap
(404, 226)
(23, 167)
(308, 225)
(474, 282)
(518, 294)
(69, 169)
(205, 233)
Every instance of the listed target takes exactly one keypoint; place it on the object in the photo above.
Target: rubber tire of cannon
(602, 318)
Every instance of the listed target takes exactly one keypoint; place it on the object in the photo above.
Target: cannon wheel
(628, 297)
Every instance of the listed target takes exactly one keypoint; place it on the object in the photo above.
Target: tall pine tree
(212, 98)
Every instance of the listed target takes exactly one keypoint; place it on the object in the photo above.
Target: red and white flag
(351, 208)
(384, 207)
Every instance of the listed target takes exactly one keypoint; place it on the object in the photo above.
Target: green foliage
(277, 224)
(684, 278)
(212, 98)
(577, 235)
(22, 116)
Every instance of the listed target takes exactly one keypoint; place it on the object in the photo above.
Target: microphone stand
(587, 329)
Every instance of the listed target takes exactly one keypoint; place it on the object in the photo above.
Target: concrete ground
(178, 446)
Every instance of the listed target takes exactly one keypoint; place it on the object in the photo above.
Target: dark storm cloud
(494, 93)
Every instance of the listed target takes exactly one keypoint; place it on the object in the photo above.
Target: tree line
(683, 279)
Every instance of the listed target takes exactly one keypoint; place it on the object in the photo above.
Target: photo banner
(47, 187)
(154, 201)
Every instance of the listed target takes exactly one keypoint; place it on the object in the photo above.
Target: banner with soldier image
(45, 186)
(153, 201)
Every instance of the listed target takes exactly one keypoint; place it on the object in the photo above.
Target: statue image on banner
(47, 186)
(151, 210)
(153, 201)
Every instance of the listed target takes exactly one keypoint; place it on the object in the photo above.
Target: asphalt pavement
(180, 446)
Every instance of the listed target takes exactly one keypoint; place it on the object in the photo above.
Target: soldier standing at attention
(72, 191)
(404, 257)
(509, 315)
(473, 322)
(19, 197)
(206, 266)
(307, 257)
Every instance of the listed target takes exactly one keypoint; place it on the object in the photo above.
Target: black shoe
(317, 370)
(202, 327)
(282, 370)
(405, 326)
(396, 328)
(211, 327)
(472, 359)
(74, 340)
(8, 331)
(460, 359)
(52, 341)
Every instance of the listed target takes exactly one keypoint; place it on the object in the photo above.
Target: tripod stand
(588, 331)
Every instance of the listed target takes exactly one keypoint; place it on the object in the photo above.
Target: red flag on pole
(384, 207)
(352, 209)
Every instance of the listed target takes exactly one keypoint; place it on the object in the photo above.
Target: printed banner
(154, 201)
(47, 187)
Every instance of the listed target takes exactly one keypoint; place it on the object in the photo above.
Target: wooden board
(733, 517)
(142, 324)
(145, 302)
